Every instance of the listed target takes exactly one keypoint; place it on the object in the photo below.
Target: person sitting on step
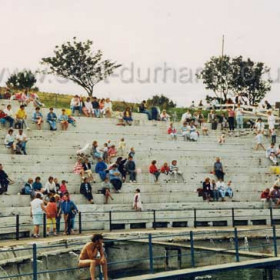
(86, 190)
(175, 172)
(38, 118)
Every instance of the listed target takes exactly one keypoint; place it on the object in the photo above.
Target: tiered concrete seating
(53, 153)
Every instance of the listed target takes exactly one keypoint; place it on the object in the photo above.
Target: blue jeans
(96, 113)
(74, 108)
(148, 113)
(23, 147)
(10, 120)
(52, 124)
(239, 122)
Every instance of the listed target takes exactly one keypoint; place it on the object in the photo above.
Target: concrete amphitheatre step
(53, 153)
(127, 198)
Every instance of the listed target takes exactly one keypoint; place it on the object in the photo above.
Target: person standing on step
(137, 203)
(218, 169)
(239, 117)
(68, 209)
(37, 211)
(93, 255)
(51, 211)
(231, 115)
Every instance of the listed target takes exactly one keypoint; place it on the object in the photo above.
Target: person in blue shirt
(37, 185)
(115, 178)
(100, 169)
(38, 118)
(69, 211)
(51, 119)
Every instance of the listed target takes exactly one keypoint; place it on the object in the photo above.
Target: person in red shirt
(165, 168)
(154, 170)
(63, 188)
(51, 211)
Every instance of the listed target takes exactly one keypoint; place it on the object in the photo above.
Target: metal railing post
(34, 262)
(110, 220)
(100, 273)
(236, 244)
(17, 227)
(44, 225)
(80, 222)
(192, 249)
(151, 254)
(194, 217)
(232, 217)
(154, 219)
(271, 216)
(275, 241)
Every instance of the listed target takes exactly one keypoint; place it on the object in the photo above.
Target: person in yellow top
(93, 255)
(21, 117)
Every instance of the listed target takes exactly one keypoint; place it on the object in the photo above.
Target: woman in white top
(193, 133)
(271, 121)
(50, 186)
(9, 140)
(108, 108)
(88, 109)
(37, 211)
(137, 204)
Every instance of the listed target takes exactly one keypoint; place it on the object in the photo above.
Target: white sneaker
(130, 181)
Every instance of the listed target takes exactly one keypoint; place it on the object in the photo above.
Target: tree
(231, 76)
(75, 61)
(217, 76)
(21, 80)
(161, 101)
(248, 79)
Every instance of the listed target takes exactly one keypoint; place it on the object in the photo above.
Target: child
(112, 152)
(106, 156)
(122, 146)
(51, 211)
(63, 188)
(222, 139)
(132, 152)
(273, 136)
(172, 132)
(204, 128)
(259, 139)
(137, 204)
(106, 190)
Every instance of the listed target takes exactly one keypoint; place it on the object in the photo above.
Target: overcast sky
(148, 37)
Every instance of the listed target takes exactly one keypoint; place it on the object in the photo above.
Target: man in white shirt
(50, 186)
(271, 154)
(9, 115)
(187, 117)
(270, 121)
(21, 141)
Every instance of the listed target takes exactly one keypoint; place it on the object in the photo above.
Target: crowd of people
(113, 163)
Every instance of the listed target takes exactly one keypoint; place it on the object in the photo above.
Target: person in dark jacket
(130, 167)
(100, 168)
(120, 162)
(4, 180)
(86, 190)
(218, 169)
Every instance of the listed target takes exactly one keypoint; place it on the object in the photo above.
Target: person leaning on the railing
(92, 255)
